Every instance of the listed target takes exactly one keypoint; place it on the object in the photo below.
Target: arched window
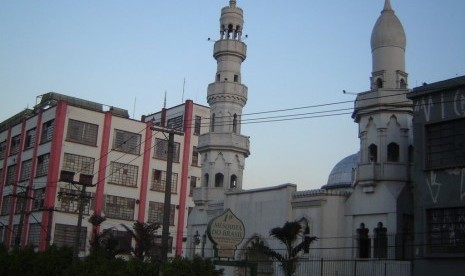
(364, 247)
(393, 152)
(373, 153)
(235, 123)
(233, 183)
(219, 180)
(212, 123)
(380, 241)
(205, 180)
(379, 83)
(403, 84)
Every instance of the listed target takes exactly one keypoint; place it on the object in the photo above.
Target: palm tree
(289, 235)
(144, 234)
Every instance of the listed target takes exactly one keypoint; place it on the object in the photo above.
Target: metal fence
(340, 267)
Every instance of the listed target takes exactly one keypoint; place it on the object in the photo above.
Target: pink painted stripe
(103, 164)
(53, 170)
(144, 183)
(189, 106)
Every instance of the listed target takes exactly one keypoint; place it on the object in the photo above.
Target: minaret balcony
(230, 47)
(202, 195)
(227, 92)
(387, 171)
(224, 141)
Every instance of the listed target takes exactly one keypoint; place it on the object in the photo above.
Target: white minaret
(382, 189)
(223, 150)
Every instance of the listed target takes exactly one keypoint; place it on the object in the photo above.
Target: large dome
(388, 31)
(342, 175)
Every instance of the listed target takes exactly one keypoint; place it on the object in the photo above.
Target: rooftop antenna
(183, 86)
(134, 108)
(164, 102)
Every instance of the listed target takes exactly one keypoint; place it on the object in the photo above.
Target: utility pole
(24, 198)
(85, 180)
(167, 204)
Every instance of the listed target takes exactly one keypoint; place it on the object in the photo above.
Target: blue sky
(300, 53)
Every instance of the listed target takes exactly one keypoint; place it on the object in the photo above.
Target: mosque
(364, 211)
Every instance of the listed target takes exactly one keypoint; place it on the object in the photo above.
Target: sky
(300, 53)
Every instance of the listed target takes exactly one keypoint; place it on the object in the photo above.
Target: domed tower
(384, 114)
(223, 149)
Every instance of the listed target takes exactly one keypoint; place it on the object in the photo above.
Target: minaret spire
(224, 148)
(387, 6)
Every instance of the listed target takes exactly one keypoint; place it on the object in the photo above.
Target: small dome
(342, 174)
(388, 31)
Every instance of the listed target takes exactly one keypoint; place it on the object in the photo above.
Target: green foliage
(289, 234)
(144, 234)
(59, 262)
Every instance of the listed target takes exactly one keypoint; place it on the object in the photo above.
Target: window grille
(26, 170)
(11, 175)
(175, 123)
(123, 174)
(161, 150)
(6, 204)
(82, 132)
(159, 181)
(445, 230)
(195, 156)
(78, 163)
(119, 207)
(445, 144)
(39, 199)
(65, 235)
(193, 184)
(124, 239)
(156, 212)
(47, 131)
(15, 144)
(42, 165)
(127, 142)
(20, 199)
(30, 138)
(68, 201)
(197, 124)
(2, 150)
(34, 234)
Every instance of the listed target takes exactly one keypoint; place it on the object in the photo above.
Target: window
(235, 123)
(161, 150)
(26, 170)
(6, 204)
(218, 77)
(410, 153)
(233, 183)
(393, 152)
(197, 124)
(219, 180)
(364, 242)
(119, 207)
(39, 199)
(123, 174)
(68, 201)
(65, 235)
(11, 175)
(124, 240)
(236, 78)
(445, 144)
(156, 250)
(373, 153)
(78, 163)
(15, 144)
(379, 83)
(380, 245)
(30, 138)
(159, 181)
(156, 212)
(403, 83)
(212, 123)
(47, 131)
(2, 150)
(206, 180)
(127, 141)
(34, 234)
(193, 185)
(20, 198)
(42, 165)
(82, 132)
(195, 156)
(445, 231)
(175, 123)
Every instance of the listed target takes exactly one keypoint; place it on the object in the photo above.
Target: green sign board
(226, 231)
